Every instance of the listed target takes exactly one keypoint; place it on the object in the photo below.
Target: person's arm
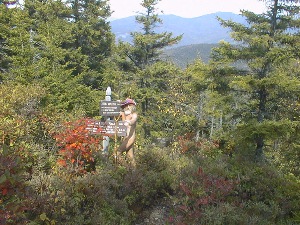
(122, 114)
(133, 119)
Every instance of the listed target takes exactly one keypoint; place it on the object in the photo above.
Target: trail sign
(112, 127)
(110, 108)
(94, 127)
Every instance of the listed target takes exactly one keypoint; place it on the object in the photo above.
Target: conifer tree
(4, 30)
(144, 53)
(93, 36)
(269, 47)
(15, 43)
(148, 44)
(41, 38)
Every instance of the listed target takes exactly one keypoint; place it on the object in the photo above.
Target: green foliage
(19, 112)
(203, 192)
(106, 196)
(152, 180)
(147, 45)
(14, 198)
(141, 63)
(42, 45)
(55, 56)
(86, 199)
(226, 187)
(272, 189)
(92, 37)
(258, 91)
(67, 94)
(285, 153)
(159, 108)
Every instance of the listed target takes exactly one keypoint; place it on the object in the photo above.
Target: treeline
(184, 55)
(218, 142)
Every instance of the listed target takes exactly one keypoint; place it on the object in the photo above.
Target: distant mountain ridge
(199, 30)
(185, 55)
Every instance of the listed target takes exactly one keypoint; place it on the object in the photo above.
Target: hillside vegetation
(203, 29)
(185, 55)
(216, 142)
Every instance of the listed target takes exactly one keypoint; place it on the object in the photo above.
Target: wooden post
(105, 142)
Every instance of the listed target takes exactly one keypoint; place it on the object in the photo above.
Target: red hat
(128, 101)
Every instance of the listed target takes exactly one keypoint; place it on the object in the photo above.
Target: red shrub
(13, 194)
(77, 145)
(188, 144)
(203, 191)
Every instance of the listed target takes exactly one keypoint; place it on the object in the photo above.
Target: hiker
(129, 116)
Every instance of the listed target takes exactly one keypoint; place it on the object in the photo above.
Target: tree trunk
(147, 131)
(259, 148)
(260, 118)
(262, 92)
(212, 125)
(199, 115)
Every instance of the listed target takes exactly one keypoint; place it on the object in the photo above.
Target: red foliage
(13, 194)
(205, 190)
(77, 145)
(187, 143)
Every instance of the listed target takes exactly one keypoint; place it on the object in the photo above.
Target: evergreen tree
(209, 99)
(269, 47)
(93, 36)
(40, 41)
(15, 43)
(139, 59)
(4, 33)
(148, 45)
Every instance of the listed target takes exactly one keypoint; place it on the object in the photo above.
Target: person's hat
(128, 101)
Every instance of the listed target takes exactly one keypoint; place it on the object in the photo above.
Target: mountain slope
(203, 29)
(184, 55)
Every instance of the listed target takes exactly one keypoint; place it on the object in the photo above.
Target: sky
(186, 8)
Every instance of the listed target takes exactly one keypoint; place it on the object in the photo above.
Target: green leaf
(3, 178)
(43, 217)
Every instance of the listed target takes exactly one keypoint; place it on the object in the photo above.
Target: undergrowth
(203, 186)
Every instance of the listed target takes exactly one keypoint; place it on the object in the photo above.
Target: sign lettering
(110, 127)
(110, 108)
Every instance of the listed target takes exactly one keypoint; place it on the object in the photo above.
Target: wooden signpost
(111, 126)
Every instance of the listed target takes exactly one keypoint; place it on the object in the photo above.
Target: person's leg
(122, 148)
(130, 155)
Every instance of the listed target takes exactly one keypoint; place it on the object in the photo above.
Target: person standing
(129, 116)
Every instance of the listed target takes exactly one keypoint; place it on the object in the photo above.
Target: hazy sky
(187, 8)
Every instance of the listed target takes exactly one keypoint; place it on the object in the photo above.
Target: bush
(257, 193)
(88, 199)
(14, 193)
(77, 145)
(152, 180)
(199, 193)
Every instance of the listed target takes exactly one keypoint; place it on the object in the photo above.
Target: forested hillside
(199, 30)
(185, 55)
(215, 143)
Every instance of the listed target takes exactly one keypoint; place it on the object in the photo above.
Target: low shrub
(152, 180)
(200, 192)
(77, 145)
(14, 193)
(88, 199)
(257, 193)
